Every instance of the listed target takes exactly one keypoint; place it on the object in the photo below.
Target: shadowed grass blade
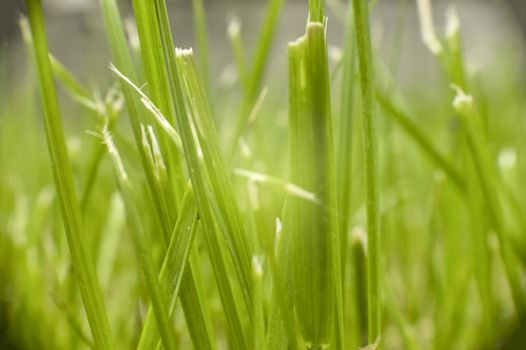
(363, 39)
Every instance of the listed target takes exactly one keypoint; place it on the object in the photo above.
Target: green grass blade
(314, 248)
(363, 36)
(173, 270)
(141, 245)
(201, 184)
(69, 205)
(196, 314)
(482, 158)
(202, 41)
(316, 11)
(345, 154)
(123, 61)
(421, 139)
(236, 234)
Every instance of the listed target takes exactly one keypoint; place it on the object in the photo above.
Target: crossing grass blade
(172, 273)
(123, 59)
(69, 205)
(141, 245)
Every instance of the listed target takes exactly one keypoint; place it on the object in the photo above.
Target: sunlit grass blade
(231, 219)
(69, 205)
(218, 184)
(314, 246)
(365, 60)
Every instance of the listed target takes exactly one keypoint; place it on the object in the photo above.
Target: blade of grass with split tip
(172, 274)
(227, 214)
(195, 310)
(314, 247)
(202, 41)
(235, 330)
(151, 37)
(141, 245)
(365, 60)
(189, 99)
(69, 205)
(123, 60)
(221, 184)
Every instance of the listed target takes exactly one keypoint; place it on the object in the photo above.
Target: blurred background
(76, 37)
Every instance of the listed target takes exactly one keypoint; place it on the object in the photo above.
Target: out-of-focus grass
(213, 258)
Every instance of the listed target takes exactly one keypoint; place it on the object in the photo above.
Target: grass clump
(244, 217)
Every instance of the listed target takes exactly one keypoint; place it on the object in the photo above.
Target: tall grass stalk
(363, 37)
(69, 205)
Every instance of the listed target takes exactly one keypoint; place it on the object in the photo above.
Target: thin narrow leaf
(67, 196)
(363, 38)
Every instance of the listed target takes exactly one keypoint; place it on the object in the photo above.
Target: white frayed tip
(257, 265)
(452, 22)
(184, 52)
(507, 159)
(462, 101)
(234, 27)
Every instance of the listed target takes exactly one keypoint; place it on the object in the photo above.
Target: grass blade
(314, 246)
(172, 273)
(159, 300)
(69, 205)
(363, 38)
(202, 41)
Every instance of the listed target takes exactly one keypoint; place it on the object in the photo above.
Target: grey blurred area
(76, 35)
